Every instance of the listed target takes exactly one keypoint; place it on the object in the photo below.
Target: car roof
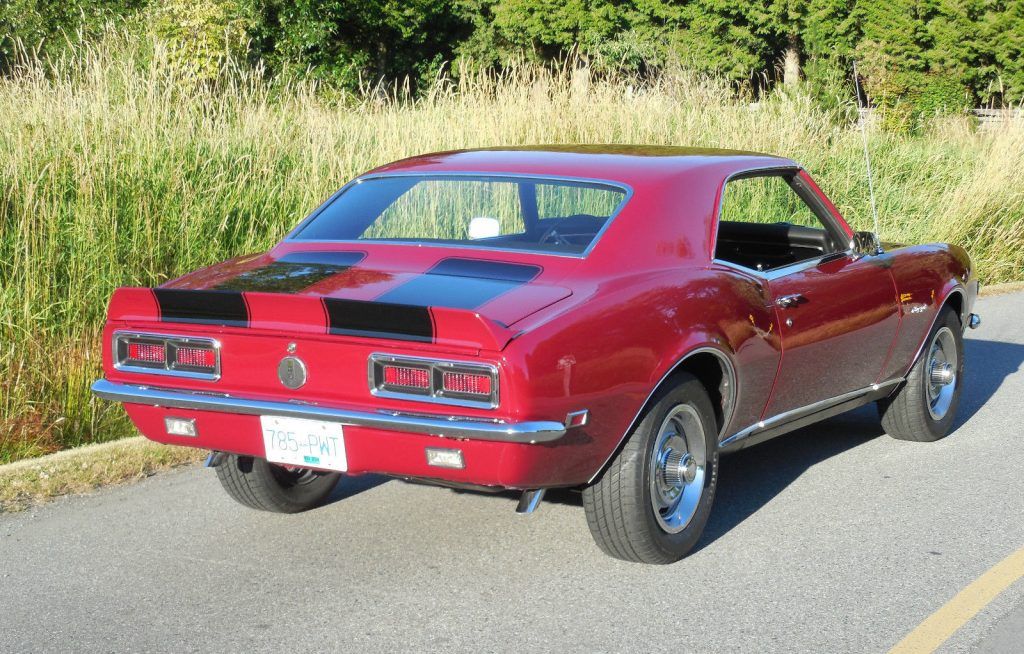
(630, 164)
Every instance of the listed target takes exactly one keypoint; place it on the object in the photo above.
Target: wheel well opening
(709, 371)
(955, 301)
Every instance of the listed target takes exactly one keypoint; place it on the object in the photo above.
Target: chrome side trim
(727, 411)
(810, 409)
(435, 425)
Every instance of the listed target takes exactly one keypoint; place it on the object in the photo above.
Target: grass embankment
(114, 172)
(29, 482)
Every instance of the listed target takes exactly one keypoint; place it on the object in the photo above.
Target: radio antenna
(861, 120)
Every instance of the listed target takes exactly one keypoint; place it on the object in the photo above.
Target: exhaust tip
(974, 321)
(529, 501)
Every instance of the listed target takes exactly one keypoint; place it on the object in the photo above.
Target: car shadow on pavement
(986, 365)
(749, 479)
(352, 486)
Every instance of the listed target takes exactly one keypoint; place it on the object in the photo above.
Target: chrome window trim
(291, 237)
(776, 273)
(727, 413)
(434, 365)
(775, 171)
(446, 426)
(174, 340)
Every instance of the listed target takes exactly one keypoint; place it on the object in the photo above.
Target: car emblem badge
(292, 372)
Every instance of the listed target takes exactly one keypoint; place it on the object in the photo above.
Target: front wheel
(924, 408)
(651, 504)
(259, 484)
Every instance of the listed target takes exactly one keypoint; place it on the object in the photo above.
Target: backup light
(181, 427)
(442, 457)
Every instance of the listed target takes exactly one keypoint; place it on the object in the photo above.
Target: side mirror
(866, 244)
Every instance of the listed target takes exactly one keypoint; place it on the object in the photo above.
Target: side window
(764, 224)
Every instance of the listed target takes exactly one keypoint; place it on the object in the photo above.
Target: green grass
(116, 172)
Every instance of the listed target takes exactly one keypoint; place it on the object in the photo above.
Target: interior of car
(765, 246)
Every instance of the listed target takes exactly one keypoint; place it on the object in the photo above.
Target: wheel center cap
(680, 469)
(941, 373)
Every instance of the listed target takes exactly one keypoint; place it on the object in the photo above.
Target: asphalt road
(833, 539)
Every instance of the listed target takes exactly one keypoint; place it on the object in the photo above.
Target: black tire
(908, 415)
(268, 487)
(619, 507)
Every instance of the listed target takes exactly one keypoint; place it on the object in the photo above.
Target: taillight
(443, 382)
(195, 357)
(462, 382)
(168, 355)
(147, 352)
(407, 377)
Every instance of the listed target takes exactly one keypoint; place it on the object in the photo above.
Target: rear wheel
(924, 408)
(265, 486)
(651, 504)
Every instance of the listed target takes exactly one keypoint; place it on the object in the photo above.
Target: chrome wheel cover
(941, 373)
(677, 468)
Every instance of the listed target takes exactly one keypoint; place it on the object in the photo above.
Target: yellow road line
(965, 605)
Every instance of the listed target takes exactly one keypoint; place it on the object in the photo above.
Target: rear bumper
(454, 427)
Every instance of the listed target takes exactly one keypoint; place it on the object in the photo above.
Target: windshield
(514, 213)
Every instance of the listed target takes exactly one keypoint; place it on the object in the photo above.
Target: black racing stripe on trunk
(379, 320)
(293, 272)
(225, 308)
(462, 283)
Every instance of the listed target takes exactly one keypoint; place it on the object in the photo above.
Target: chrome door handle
(787, 301)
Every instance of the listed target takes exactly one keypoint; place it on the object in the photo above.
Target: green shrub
(202, 35)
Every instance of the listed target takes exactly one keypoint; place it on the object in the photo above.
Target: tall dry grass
(114, 171)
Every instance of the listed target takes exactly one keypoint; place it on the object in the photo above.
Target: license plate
(304, 443)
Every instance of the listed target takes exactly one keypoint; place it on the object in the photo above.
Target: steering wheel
(572, 231)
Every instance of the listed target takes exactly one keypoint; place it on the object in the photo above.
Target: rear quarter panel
(607, 351)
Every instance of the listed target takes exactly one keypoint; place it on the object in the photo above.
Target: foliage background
(926, 54)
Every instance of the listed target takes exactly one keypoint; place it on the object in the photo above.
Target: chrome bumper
(453, 427)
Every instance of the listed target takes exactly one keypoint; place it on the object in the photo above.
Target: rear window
(512, 213)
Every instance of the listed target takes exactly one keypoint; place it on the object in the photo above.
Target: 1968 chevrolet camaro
(608, 318)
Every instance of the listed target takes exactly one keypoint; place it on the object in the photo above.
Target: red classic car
(608, 318)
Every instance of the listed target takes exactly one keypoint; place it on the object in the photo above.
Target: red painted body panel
(838, 339)
(597, 332)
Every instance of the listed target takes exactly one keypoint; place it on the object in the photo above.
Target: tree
(340, 40)
(48, 26)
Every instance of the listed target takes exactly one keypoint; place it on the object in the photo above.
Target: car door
(836, 311)
(837, 320)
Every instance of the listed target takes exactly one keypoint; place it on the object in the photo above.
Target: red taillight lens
(407, 377)
(147, 352)
(461, 382)
(196, 357)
